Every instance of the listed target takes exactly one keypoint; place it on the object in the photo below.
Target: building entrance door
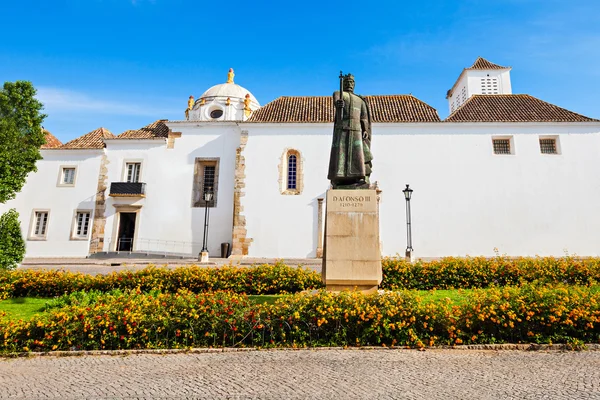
(126, 231)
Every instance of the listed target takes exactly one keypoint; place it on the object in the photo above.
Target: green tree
(12, 245)
(21, 136)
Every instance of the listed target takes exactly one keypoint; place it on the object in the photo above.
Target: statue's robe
(350, 159)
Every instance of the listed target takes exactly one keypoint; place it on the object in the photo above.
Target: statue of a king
(350, 160)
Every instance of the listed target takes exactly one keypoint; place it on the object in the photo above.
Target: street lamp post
(208, 195)
(409, 250)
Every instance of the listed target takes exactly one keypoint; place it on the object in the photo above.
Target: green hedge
(130, 320)
(481, 272)
(447, 273)
(261, 279)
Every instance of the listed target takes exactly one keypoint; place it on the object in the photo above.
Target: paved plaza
(308, 374)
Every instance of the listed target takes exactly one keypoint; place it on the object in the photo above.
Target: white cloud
(59, 100)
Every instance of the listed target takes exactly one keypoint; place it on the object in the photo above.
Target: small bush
(12, 245)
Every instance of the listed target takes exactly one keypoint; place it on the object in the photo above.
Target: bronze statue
(350, 159)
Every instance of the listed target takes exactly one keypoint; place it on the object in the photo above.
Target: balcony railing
(127, 189)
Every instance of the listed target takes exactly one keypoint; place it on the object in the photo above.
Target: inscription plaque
(352, 202)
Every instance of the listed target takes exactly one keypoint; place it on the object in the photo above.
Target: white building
(504, 171)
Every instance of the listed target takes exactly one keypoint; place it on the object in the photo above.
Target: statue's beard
(349, 89)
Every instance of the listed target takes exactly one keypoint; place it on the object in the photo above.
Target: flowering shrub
(262, 279)
(480, 272)
(129, 320)
(447, 273)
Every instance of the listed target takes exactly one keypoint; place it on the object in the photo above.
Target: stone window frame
(61, 174)
(199, 164)
(33, 222)
(133, 161)
(74, 235)
(283, 172)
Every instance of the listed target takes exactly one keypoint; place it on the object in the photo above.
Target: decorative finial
(228, 101)
(230, 76)
(247, 109)
(190, 103)
(201, 102)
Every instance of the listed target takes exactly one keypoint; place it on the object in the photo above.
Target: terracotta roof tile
(312, 109)
(51, 141)
(157, 129)
(92, 140)
(512, 108)
(482, 63)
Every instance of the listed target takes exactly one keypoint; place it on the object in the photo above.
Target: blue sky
(122, 64)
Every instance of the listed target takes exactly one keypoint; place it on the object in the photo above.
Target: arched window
(292, 172)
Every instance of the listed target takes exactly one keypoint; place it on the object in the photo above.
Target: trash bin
(224, 250)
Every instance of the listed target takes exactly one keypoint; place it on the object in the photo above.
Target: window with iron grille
(501, 146)
(548, 146)
(133, 172)
(40, 224)
(82, 224)
(291, 175)
(206, 179)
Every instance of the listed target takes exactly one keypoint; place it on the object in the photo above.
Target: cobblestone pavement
(308, 374)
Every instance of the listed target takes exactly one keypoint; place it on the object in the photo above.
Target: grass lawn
(23, 307)
(265, 298)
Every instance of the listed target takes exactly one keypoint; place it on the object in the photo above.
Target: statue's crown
(348, 77)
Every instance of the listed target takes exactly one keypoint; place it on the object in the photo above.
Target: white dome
(231, 90)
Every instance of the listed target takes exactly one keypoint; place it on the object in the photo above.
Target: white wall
(41, 191)
(474, 80)
(167, 213)
(284, 225)
(466, 199)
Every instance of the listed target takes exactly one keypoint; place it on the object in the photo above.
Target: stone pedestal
(204, 257)
(352, 258)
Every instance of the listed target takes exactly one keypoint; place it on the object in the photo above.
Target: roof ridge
(482, 63)
(513, 108)
(155, 129)
(319, 109)
(51, 140)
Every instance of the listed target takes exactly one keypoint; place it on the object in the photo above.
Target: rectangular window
(502, 146)
(206, 180)
(82, 224)
(66, 176)
(548, 146)
(133, 172)
(40, 224)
